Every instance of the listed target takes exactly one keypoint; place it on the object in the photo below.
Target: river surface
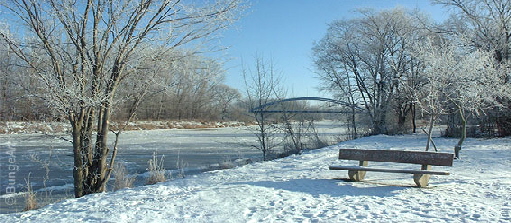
(46, 161)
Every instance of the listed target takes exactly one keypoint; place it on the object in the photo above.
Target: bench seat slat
(362, 168)
(398, 156)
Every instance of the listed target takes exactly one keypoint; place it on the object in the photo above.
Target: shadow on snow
(331, 187)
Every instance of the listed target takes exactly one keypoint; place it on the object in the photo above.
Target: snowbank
(302, 189)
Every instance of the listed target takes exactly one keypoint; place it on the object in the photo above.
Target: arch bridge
(262, 108)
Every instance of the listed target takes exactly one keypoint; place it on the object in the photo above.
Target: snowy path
(302, 189)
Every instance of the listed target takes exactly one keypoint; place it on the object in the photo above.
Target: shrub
(156, 170)
(121, 177)
(30, 197)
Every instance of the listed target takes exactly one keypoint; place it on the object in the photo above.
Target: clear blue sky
(285, 30)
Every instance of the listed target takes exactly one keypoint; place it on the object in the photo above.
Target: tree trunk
(78, 170)
(414, 124)
(430, 132)
(380, 123)
(401, 122)
(90, 171)
(354, 134)
(99, 164)
(263, 136)
(463, 136)
(81, 123)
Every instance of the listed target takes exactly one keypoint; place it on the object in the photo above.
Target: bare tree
(225, 97)
(262, 87)
(83, 51)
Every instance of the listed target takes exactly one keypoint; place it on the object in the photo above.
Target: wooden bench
(421, 177)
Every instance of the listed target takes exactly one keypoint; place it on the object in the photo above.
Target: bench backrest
(398, 156)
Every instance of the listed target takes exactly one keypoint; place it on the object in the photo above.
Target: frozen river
(47, 160)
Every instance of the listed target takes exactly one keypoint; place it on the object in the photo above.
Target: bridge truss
(263, 108)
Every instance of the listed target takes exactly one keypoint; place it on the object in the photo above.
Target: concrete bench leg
(358, 175)
(422, 180)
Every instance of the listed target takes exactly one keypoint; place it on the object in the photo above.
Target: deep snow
(300, 188)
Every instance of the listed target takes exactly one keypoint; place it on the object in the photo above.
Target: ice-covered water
(47, 160)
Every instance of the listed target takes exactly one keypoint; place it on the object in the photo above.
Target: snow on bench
(421, 177)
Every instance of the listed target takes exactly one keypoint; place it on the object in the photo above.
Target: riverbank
(19, 127)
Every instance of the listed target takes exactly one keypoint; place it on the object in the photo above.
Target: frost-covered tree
(368, 61)
(183, 87)
(456, 79)
(336, 61)
(83, 51)
(486, 25)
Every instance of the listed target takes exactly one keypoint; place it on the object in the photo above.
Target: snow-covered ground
(300, 188)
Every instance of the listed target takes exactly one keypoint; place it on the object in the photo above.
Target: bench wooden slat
(362, 168)
(398, 156)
